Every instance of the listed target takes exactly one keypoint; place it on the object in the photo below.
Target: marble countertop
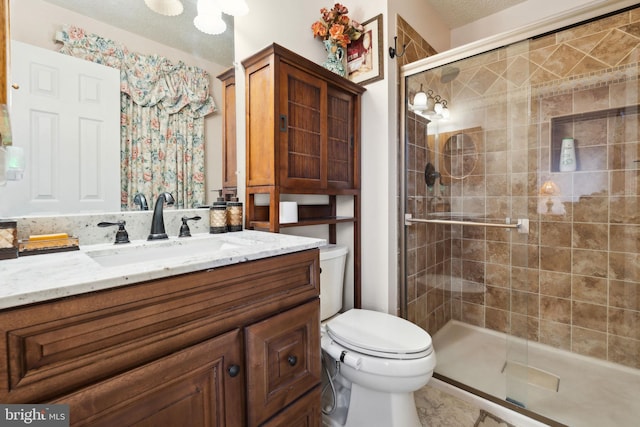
(37, 278)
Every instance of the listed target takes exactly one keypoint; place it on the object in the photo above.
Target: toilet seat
(380, 335)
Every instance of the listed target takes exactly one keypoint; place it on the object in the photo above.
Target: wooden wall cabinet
(303, 125)
(302, 137)
(229, 157)
(234, 346)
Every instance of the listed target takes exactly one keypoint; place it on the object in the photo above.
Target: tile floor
(442, 405)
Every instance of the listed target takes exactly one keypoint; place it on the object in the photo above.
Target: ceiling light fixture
(165, 7)
(431, 106)
(209, 19)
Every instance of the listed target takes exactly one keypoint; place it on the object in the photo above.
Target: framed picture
(364, 56)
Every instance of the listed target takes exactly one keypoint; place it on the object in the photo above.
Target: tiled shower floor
(590, 393)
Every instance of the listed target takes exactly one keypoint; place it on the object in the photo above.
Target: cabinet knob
(233, 370)
(292, 360)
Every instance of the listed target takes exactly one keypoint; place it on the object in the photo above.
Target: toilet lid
(379, 334)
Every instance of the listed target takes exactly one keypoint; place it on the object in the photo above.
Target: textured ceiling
(175, 31)
(179, 32)
(456, 13)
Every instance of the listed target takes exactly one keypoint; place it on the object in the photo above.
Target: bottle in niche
(218, 215)
(567, 155)
(234, 214)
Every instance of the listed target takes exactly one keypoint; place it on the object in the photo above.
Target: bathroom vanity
(228, 337)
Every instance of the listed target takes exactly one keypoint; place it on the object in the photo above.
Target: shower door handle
(522, 225)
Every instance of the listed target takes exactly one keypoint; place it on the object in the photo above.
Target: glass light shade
(209, 19)
(210, 24)
(445, 113)
(234, 7)
(420, 100)
(165, 7)
(549, 188)
(438, 108)
(430, 104)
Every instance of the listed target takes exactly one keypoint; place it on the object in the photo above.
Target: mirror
(140, 30)
(459, 155)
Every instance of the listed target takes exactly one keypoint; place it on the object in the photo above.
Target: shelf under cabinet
(262, 225)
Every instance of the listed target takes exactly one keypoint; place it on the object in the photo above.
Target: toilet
(372, 361)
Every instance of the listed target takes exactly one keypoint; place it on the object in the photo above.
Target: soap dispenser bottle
(218, 215)
(234, 214)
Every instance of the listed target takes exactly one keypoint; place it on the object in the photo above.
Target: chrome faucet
(157, 223)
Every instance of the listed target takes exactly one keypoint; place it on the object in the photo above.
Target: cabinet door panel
(305, 412)
(261, 151)
(340, 145)
(229, 158)
(283, 360)
(303, 140)
(188, 388)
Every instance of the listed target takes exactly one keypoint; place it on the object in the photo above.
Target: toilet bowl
(373, 361)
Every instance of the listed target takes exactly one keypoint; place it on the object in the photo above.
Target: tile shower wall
(428, 247)
(575, 285)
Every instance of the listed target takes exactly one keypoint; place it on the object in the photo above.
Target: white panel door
(66, 116)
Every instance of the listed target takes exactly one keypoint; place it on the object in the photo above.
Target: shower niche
(590, 132)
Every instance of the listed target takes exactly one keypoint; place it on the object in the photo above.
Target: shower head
(448, 73)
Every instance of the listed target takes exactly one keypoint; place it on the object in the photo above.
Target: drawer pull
(292, 360)
(233, 370)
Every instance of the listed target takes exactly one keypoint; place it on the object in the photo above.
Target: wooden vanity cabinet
(232, 346)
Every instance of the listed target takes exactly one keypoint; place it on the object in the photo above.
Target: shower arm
(522, 225)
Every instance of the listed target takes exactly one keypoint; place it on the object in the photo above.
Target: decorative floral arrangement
(335, 25)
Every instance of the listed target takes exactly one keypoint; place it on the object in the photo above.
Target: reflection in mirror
(459, 155)
(35, 22)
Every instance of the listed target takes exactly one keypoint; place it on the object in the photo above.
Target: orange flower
(336, 31)
(340, 9)
(335, 25)
(319, 29)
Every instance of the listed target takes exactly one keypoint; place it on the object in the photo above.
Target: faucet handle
(121, 235)
(184, 228)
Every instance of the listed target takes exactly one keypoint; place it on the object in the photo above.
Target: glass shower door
(549, 130)
(466, 188)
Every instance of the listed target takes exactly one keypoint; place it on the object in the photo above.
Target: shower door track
(522, 225)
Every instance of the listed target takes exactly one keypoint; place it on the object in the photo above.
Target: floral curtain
(162, 110)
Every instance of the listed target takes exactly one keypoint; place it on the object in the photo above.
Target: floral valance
(148, 79)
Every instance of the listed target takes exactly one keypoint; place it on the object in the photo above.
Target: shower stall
(520, 198)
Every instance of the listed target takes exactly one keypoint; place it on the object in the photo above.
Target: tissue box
(288, 212)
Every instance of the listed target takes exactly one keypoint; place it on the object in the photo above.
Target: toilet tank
(332, 261)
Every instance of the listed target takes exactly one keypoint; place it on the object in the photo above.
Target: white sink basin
(167, 250)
